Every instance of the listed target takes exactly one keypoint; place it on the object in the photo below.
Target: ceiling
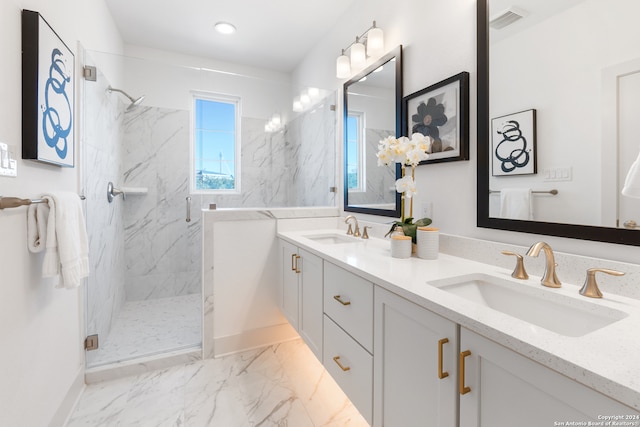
(274, 34)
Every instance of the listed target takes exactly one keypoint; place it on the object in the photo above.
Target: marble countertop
(606, 359)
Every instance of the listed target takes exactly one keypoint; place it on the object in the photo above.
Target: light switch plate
(8, 164)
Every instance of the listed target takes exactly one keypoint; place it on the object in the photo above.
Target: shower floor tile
(150, 327)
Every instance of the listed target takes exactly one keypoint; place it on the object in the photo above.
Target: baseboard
(70, 401)
(255, 338)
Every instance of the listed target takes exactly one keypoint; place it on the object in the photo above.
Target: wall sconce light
(307, 98)
(274, 124)
(374, 39)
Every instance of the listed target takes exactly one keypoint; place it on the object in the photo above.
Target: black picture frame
(449, 100)
(48, 94)
(513, 144)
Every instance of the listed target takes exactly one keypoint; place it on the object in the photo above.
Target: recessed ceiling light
(225, 28)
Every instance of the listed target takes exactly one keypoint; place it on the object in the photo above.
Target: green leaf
(423, 222)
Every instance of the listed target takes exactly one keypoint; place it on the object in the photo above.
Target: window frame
(361, 144)
(222, 98)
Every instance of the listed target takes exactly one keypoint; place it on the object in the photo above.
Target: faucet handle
(519, 272)
(590, 288)
(350, 230)
(365, 235)
(357, 232)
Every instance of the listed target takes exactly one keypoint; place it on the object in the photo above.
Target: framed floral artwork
(440, 111)
(513, 144)
(47, 93)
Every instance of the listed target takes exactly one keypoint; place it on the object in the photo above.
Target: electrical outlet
(426, 210)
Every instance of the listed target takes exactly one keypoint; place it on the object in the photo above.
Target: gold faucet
(355, 233)
(549, 278)
(519, 272)
(590, 287)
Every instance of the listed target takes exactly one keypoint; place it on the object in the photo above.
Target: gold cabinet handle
(337, 298)
(337, 360)
(463, 389)
(441, 374)
(294, 262)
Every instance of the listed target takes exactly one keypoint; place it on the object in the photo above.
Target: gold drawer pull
(294, 265)
(337, 298)
(463, 389)
(441, 374)
(337, 360)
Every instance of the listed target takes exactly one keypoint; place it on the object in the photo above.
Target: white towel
(67, 250)
(37, 217)
(632, 182)
(515, 203)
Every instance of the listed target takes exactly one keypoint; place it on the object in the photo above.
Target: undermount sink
(331, 238)
(541, 307)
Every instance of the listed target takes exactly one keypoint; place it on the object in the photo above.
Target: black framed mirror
(372, 111)
(487, 109)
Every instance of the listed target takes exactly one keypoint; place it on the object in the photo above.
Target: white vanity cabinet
(348, 335)
(415, 365)
(503, 388)
(301, 296)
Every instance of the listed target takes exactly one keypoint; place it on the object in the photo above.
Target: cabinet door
(351, 366)
(507, 389)
(411, 386)
(290, 291)
(311, 301)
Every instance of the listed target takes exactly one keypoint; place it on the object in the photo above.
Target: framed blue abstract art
(47, 93)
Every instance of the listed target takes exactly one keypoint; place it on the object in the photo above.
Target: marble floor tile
(277, 386)
(150, 327)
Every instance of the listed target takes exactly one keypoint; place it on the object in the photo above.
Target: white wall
(439, 40)
(40, 327)
(166, 79)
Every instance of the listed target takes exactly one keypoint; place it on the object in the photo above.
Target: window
(215, 144)
(355, 151)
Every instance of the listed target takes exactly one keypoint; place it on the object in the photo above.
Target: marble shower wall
(311, 156)
(293, 167)
(102, 159)
(162, 249)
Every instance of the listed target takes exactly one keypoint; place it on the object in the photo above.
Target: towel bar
(553, 192)
(15, 202)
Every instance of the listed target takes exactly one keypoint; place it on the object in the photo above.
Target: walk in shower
(144, 291)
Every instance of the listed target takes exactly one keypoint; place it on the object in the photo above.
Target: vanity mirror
(577, 64)
(372, 111)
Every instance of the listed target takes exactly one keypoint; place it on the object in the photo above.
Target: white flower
(385, 151)
(407, 186)
(384, 157)
(415, 156)
(421, 141)
(400, 149)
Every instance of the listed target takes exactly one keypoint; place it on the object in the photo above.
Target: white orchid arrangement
(407, 152)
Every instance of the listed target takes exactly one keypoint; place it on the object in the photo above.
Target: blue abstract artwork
(47, 94)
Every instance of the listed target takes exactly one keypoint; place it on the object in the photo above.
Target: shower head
(134, 102)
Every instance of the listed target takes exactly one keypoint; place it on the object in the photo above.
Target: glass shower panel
(144, 293)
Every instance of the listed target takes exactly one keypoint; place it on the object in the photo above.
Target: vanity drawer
(351, 366)
(348, 300)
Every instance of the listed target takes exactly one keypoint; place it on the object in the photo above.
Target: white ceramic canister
(400, 246)
(428, 242)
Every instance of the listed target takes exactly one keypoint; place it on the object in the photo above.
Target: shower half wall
(146, 258)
